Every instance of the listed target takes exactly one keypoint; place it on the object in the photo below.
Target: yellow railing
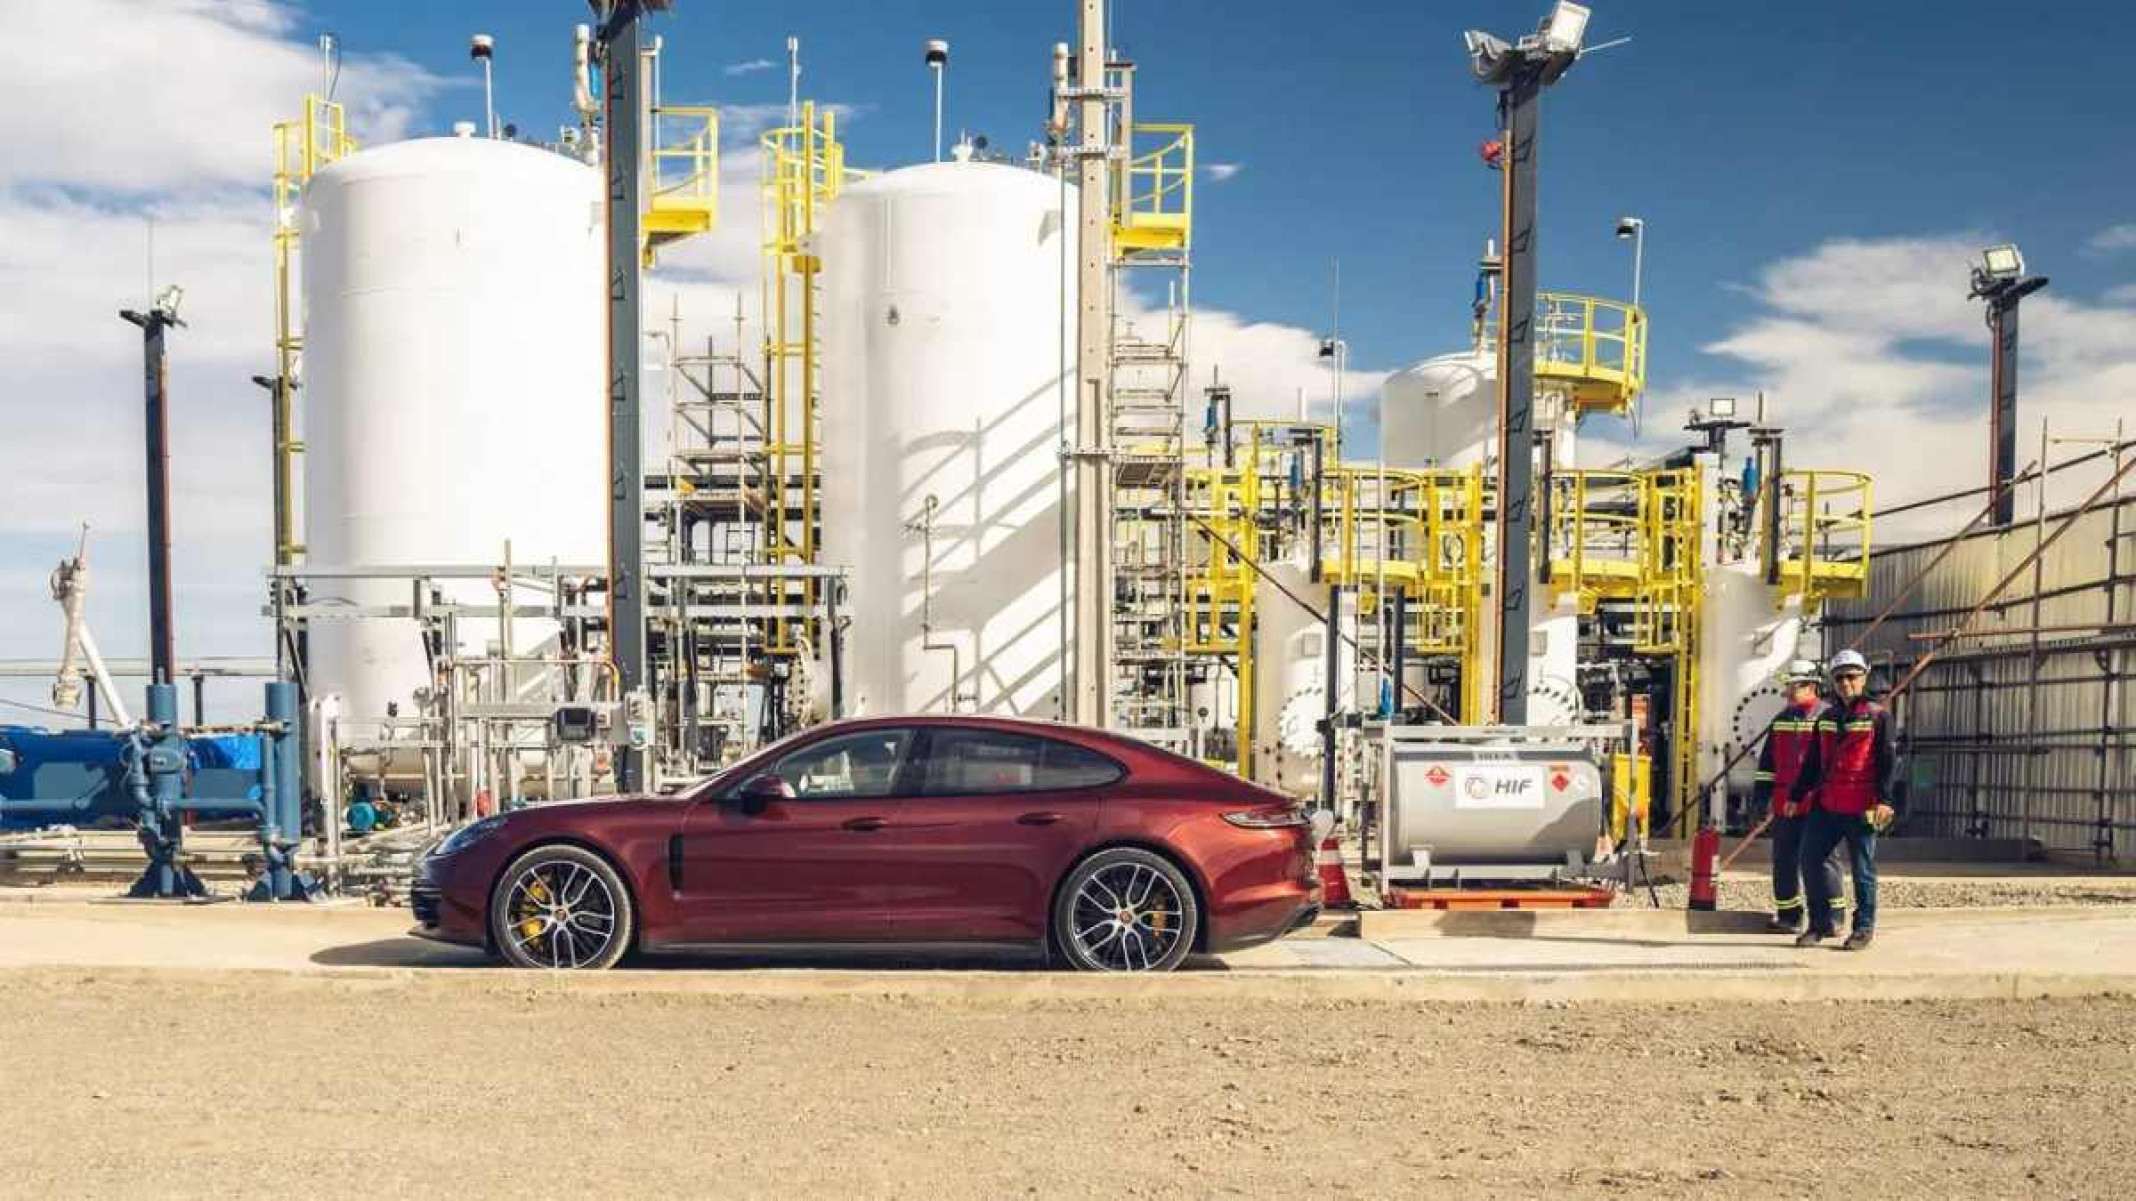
(681, 173)
(1667, 613)
(1421, 531)
(1153, 202)
(1596, 534)
(1593, 348)
(1824, 534)
(301, 147)
(804, 171)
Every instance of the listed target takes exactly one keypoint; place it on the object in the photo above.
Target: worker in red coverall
(1853, 800)
(1788, 770)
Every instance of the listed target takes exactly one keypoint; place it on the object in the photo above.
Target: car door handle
(864, 824)
(1038, 819)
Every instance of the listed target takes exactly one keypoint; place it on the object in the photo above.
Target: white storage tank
(1291, 676)
(1442, 412)
(453, 392)
(948, 297)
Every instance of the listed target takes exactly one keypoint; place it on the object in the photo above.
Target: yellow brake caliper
(530, 923)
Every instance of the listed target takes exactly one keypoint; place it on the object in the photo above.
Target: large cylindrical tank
(1442, 412)
(453, 391)
(1498, 809)
(948, 297)
(1746, 643)
(1291, 676)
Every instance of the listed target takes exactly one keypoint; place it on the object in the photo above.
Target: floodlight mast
(2000, 280)
(1520, 71)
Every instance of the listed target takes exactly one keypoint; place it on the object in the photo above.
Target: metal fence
(2023, 725)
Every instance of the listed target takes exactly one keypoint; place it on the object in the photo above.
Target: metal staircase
(1152, 228)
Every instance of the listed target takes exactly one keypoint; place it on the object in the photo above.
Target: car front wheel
(560, 907)
(1125, 910)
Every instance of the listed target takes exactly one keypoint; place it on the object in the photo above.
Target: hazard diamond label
(1437, 775)
(1559, 780)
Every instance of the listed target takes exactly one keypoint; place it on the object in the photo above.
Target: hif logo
(1505, 787)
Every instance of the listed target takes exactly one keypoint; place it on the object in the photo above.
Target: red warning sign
(1559, 779)
(1437, 775)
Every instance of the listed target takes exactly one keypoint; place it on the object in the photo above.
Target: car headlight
(467, 836)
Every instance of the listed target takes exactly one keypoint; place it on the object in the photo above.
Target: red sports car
(1112, 854)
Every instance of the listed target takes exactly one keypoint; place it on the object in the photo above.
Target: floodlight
(1721, 406)
(481, 46)
(1489, 56)
(1629, 227)
(1565, 28)
(937, 52)
(2002, 262)
(167, 301)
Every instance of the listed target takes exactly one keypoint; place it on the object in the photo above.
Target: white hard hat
(1803, 671)
(1848, 661)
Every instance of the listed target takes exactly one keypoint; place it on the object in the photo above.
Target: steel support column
(1519, 102)
(162, 641)
(1092, 453)
(621, 90)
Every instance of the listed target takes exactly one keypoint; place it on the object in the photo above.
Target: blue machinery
(154, 759)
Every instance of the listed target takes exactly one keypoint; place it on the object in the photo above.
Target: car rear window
(964, 762)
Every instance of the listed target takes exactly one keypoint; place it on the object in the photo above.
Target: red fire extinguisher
(1705, 851)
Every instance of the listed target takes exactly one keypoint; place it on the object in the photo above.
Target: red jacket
(1789, 764)
(1859, 755)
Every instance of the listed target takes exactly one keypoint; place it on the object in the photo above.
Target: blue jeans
(1790, 869)
(1822, 833)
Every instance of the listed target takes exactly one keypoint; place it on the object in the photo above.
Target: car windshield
(735, 773)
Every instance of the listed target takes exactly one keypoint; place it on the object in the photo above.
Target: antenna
(330, 61)
(793, 80)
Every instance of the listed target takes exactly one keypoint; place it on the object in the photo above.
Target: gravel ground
(1904, 892)
(487, 1084)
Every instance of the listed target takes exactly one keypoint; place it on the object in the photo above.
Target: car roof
(1043, 727)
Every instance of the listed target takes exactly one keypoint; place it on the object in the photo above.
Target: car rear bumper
(1263, 916)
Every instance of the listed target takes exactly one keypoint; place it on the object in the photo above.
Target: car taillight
(1270, 819)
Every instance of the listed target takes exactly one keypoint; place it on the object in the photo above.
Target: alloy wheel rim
(1127, 918)
(562, 913)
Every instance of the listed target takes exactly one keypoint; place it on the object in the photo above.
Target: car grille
(425, 899)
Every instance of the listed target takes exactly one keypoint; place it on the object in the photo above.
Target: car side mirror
(758, 792)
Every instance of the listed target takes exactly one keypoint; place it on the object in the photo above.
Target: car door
(805, 869)
(991, 824)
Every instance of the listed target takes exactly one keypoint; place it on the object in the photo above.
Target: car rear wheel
(1125, 910)
(560, 908)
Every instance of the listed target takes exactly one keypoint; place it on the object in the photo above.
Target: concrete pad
(1964, 954)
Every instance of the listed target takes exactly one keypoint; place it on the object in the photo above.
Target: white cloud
(748, 68)
(1870, 355)
(1219, 172)
(2114, 238)
(156, 94)
(167, 115)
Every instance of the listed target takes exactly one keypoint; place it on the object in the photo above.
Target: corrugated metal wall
(2012, 734)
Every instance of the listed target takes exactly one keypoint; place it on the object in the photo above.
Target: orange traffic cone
(1334, 884)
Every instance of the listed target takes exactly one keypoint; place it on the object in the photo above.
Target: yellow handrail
(1153, 208)
(1823, 553)
(1595, 348)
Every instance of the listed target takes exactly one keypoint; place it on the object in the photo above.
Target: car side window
(967, 762)
(848, 767)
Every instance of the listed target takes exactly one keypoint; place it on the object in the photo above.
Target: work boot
(1857, 940)
(1782, 925)
(1810, 938)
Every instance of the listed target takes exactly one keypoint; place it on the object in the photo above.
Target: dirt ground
(479, 1084)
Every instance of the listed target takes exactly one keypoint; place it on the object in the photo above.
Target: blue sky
(1742, 133)
(1815, 178)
